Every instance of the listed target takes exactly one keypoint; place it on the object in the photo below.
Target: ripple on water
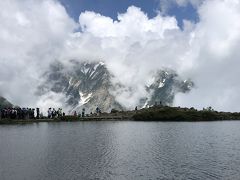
(121, 150)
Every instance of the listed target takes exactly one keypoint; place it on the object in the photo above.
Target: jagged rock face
(166, 83)
(4, 103)
(88, 85)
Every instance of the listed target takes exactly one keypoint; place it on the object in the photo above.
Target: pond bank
(65, 119)
(157, 113)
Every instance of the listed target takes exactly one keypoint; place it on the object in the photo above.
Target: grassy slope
(4, 103)
(182, 114)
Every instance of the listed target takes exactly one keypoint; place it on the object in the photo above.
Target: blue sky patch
(112, 8)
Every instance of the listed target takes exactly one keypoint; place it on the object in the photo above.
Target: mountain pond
(120, 150)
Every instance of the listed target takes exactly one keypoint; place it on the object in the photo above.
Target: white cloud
(32, 33)
(135, 46)
(214, 55)
(132, 47)
(53, 100)
(35, 33)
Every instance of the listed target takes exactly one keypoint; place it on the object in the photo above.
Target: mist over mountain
(164, 86)
(89, 85)
(83, 84)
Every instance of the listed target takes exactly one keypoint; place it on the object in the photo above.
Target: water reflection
(120, 150)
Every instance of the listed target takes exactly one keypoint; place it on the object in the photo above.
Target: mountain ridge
(88, 85)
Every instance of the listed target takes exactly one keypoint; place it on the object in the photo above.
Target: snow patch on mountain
(84, 98)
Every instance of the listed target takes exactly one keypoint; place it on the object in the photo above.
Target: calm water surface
(120, 150)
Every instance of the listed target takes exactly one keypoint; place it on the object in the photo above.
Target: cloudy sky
(200, 39)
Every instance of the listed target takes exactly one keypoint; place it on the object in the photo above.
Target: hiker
(97, 110)
(49, 113)
(136, 108)
(59, 113)
(54, 113)
(24, 113)
(37, 109)
(21, 115)
(79, 114)
(27, 113)
(13, 113)
(41, 115)
(83, 112)
(32, 115)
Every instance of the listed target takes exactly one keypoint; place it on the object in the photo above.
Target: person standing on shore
(49, 113)
(32, 113)
(83, 112)
(37, 109)
(59, 112)
(54, 113)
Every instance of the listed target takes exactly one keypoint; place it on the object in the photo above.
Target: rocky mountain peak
(88, 85)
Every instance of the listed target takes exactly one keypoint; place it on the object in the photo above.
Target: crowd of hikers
(52, 113)
(28, 113)
(20, 113)
(83, 114)
(31, 113)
